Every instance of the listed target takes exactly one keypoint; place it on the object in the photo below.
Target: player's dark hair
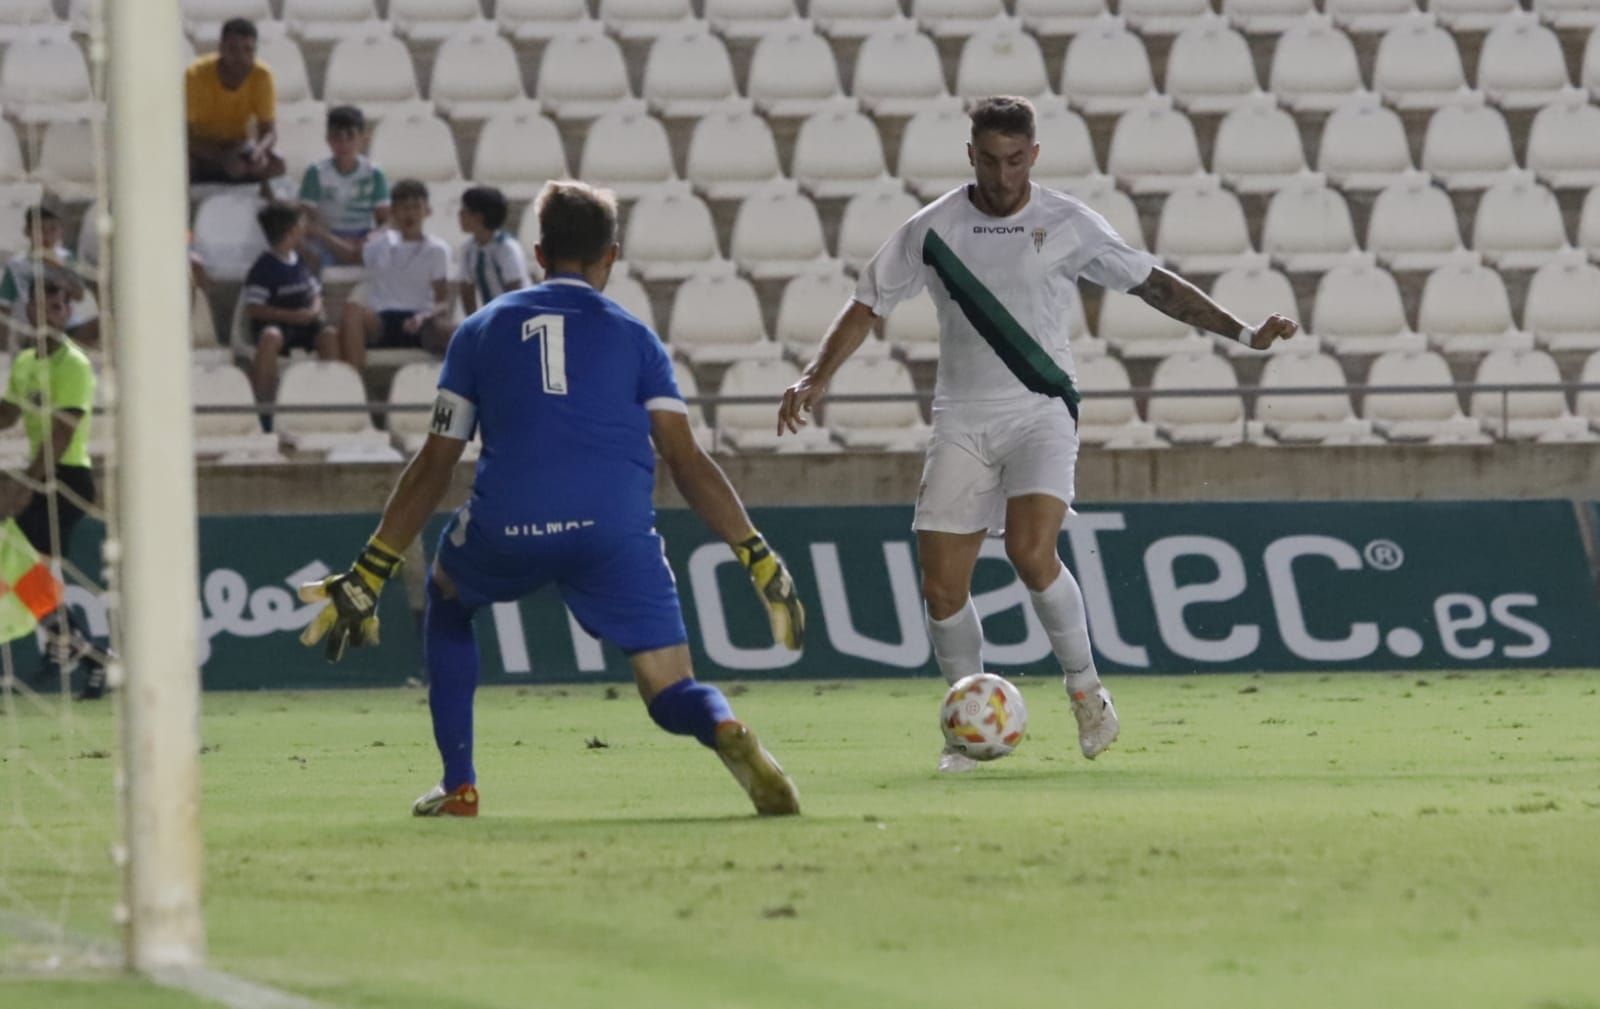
(408, 189)
(241, 27)
(488, 203)
(1005, 114)
(577, 222)
(276, 219)
(346, 117)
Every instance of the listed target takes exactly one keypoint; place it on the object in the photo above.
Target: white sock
(1061, 612)
(957, 642)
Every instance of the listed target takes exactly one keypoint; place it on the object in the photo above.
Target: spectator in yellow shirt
(232, 112)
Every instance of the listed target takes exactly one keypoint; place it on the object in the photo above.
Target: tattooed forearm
(1171, 295)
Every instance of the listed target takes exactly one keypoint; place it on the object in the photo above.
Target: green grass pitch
(1334, 841)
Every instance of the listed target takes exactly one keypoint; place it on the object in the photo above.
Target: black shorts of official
(303, 337)
(392, 330)
(34, 520)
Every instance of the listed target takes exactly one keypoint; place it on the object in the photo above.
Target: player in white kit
(1001, 257)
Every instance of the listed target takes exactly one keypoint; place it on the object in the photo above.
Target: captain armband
(454, 416)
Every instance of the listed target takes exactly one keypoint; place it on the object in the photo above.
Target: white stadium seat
(1110, 422)
(1563, 306)
(1200, 420)
(17, 16)
(1106, 69)
(1258, 149)
(1564, 145)
(1521, 65)
(416, 385)
(752, 427)
(1357, 310)
(716, 319)
(1419, 67)
(1203, 230)
(1314, 66)
(372, 71)
(1370, 15)
(1266, 16)
(732, 154)
(1327, 418)
(689, 388)
(44, 77)
(1588, 403)
(1364, 147)
(808, 305)
(348, 437)
(227, 236)
(1568, 13)
(1254, 292)
(627, 150)
(955, 18)
(302, 137)
(235, 437)
(622, 288)
(1469, 15)
(1154, 149)
(540, 19)
(888, 427)
(913, 329)
(933, 152)
(1434, 417)
(289, 79)
(777, 233)
(416, 145)
(869, 219)
(670, 236)
(475, 74)
(518, 151)
(1518, 226)
(1135, 330)
(688, 73)
(1525, 416)
(793, 73)
(1468, 146)
(1066, 152)
(1589, 223)
(1209, 68)
(898, 72)
(433, 20)
(852, 18)
(582, 75)
(644, 18)
(330, 20)
(1047, 18)
(839, 153)
(1103, 196)
(65, 163)
(740, 19)
(1001, 59)
(1308, 227)
(1163, 17)
(1413, 227)
(1465, 310)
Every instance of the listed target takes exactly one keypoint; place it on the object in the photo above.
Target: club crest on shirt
(1038, 239)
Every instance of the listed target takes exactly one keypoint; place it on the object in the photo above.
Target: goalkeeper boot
(1097, 720)
(756, 772)
(94, 680)
(459, 801)
(952, 762)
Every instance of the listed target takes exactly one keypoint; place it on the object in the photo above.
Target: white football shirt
(1003, 290)
(495, 268)
(400, 274)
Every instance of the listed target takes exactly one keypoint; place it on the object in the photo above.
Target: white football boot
(1097, 720)
(772, 791)
(952, 762)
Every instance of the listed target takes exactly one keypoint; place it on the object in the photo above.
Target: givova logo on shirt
(997, 229)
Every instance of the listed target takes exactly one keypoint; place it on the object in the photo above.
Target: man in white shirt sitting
(407, 281)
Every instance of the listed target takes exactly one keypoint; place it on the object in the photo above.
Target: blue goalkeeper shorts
(616, 583)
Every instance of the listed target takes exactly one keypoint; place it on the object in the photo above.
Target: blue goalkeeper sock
(691, 708)
(451, 652)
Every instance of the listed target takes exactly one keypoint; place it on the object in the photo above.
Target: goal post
(153, 554)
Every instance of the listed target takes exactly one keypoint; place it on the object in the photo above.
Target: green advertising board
(1170, 588)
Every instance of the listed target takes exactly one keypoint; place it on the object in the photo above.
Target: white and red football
(983, 716)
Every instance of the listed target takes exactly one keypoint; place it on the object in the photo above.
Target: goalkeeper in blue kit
(568, 391)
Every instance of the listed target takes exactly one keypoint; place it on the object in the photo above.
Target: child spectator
(347, 194)
(492, 262)
(283, 301)
(408, 283)
(43, 227)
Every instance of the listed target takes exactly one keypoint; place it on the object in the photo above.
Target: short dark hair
(37, 215)
(53, 287)
(239, 26)
(408, 189)
(577, 222)
(346, 117)
(276, 219)
(1006, 114)
(488, 203)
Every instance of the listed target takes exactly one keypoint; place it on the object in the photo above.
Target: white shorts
(972, 470)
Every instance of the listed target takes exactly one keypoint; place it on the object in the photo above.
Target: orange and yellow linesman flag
(28, 591)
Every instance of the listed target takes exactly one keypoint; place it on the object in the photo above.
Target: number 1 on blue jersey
(551, 332)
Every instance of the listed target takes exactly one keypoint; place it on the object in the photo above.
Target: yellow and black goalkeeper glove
(776, 589)
(351, 616)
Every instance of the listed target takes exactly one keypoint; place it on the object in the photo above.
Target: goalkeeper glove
(351, 616)
(775, 588)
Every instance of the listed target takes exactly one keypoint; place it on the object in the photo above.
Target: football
(983, 716)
